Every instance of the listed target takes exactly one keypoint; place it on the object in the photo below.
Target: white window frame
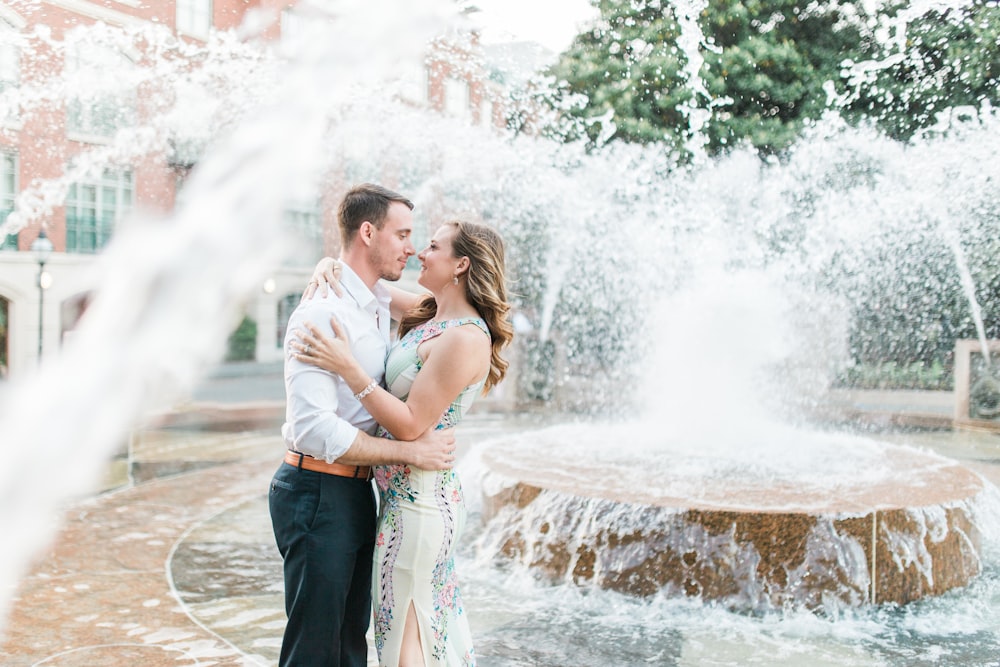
(414, 82)
(194, 17)
(457, 98)
(293, 25)
(113, 198)
(10, 65)
(303, 217)
(486, 111)
(9, 168)
(97, 117)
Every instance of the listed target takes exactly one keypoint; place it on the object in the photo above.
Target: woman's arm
(402, 301)
(457, 358)
(327, 273)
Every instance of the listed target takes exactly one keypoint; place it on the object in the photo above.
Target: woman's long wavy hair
(486, 289)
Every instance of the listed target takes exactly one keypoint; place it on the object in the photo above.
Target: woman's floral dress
(421, 516)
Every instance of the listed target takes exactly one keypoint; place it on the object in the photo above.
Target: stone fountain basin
(791, 520)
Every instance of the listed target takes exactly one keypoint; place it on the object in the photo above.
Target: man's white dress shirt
(322, 417)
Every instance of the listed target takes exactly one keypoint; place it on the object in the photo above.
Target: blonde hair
(486, 290)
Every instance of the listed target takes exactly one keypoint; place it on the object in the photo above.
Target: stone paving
(173, 563)
(124, 585)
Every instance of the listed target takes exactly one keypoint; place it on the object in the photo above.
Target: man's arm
(313, 425)
(434, 450)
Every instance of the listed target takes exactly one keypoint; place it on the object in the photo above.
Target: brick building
(39, 305)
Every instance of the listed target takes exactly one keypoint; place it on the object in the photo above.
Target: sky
(551, 23)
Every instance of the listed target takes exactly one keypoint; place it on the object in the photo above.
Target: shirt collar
(364, 297)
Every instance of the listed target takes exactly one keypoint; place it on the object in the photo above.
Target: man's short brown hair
(366, 202)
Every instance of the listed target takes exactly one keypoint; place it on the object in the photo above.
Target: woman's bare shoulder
(467, 340)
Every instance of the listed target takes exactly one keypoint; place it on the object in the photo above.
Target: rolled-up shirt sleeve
(322, 417)
(312, 425)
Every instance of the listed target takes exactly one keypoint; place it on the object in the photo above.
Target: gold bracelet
(367, 390)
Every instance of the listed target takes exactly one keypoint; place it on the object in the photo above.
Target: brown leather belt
(307, 462)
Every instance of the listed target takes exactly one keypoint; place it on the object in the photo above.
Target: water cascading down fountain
(756, 537)
(707, 496)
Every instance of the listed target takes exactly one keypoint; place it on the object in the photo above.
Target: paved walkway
(174, 564)
(146, 575)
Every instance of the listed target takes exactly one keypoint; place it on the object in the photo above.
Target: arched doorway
(285, 307)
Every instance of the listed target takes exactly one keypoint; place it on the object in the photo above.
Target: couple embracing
(359, 408)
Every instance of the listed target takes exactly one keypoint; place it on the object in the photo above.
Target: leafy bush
(243, 342)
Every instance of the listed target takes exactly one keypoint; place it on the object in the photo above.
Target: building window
(302, 219)
(293, 26)
(456, 98)
(194, 17)
(413, 80)
(4, 318)
(285, 307)
(486, 112)
(94, 208)
(8, 190)
(10, 66)
(304, 23)
(96, 104)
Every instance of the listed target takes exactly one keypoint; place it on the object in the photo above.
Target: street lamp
(42, 247)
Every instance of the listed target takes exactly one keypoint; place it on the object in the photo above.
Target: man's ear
(367, 231)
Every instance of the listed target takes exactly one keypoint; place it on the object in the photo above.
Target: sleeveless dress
(421, 516)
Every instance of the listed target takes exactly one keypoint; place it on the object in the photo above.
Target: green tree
(767, 73)
(770, 67)
(629, 63)
(950, 59)
(764, 71)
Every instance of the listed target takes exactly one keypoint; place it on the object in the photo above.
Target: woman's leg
(410, 653)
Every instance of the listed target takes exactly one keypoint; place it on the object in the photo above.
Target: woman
(448, 352)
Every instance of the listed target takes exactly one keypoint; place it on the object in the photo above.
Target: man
(321, 498)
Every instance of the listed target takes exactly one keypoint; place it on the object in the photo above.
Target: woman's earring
(455, 280)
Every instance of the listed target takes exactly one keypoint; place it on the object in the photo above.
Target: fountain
(755, 536)
(707, 494)
(729, 284)
(710, 496)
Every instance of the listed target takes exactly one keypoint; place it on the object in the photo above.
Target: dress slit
(421, 632)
